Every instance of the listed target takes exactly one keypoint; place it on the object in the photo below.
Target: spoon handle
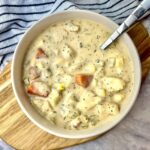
(135, 15)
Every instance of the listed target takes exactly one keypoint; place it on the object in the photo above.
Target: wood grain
(18, 131)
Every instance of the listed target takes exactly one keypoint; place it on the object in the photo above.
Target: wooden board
(19, 132)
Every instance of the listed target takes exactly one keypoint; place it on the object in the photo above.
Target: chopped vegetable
(111, 108)
(90, 68)
(38, 88)
(40, 53)
(71, 27)
(67, 52)
(54, 97)
(113, 84)
(118, 97)
(83, 80)
(119, 62)
(100, 92)
(111, 62)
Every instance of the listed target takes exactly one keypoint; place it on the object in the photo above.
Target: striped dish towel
(16, 16)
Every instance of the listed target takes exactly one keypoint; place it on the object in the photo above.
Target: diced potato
(94, 83)
(67, 80)
(37, 103)
(40, 65)
(119, 70)
(59, 60)
(79, 120)
(70, 100)
(87, 101)
(46, 107)
(54, 97)
(119, 62)
(39, 43)
(71, 27)
(113, 84)
(99, 109)
(33, 62)
(83, 119)
(75, 122)
(90, 68)
(110, 108)
(67, 52)
(102, 63)
(118, 97)
(69, 112)
(111, 62)
(100, 92)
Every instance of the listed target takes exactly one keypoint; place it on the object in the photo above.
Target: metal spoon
(135, 15)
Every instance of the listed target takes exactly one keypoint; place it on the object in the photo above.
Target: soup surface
(70, 81)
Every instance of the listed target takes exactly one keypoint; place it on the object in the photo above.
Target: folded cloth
(17, 16)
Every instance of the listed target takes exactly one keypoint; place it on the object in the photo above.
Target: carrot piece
(40, 53)
(83, 80)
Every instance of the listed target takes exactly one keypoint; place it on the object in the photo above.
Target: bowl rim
(55, 132)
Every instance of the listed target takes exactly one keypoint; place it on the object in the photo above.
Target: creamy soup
(70, 81)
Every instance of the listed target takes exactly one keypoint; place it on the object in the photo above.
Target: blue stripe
(105, 8)
(79, 4)
(10, 30)
(40, 4)
(18, 19)
(113, 10)
(93, 3)
(1, 62)
(113, 16)
(15, 23)
(11, 37)
(8, 46)
(31, 13)
(71, 6)
(60, 5)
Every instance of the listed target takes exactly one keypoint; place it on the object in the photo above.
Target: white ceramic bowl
(18, 87)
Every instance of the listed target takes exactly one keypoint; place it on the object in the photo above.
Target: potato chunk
(100, 92)
(119, 62)
(54, 97)
(67, 52)
(87, 101)
(113, 84)
(110, 108)
(90, 68)
(118, 97)
(71, 27)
